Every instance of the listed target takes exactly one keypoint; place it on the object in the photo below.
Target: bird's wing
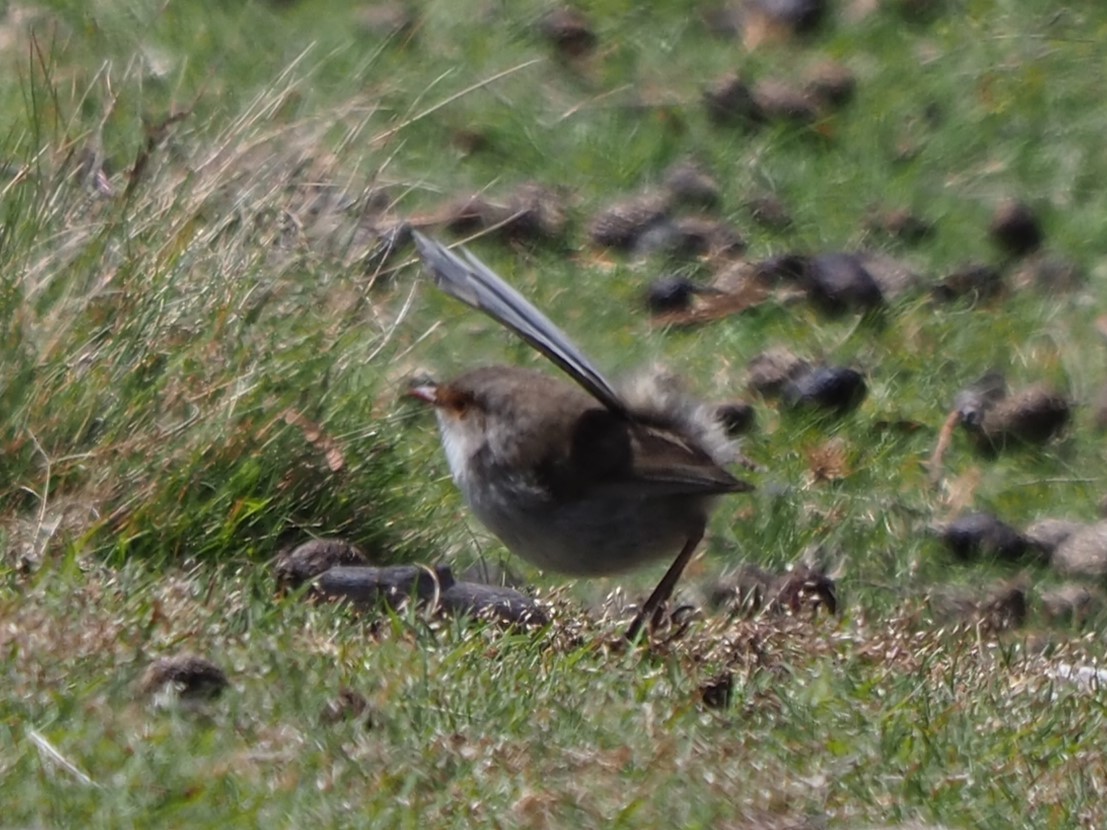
(664, 463)
(608, 455)
(468, 279)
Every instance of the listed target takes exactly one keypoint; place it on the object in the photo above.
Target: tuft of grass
(183, 354)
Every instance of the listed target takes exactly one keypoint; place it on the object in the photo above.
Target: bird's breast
(587, 537)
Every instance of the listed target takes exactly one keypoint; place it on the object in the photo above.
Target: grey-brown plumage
(582, 478)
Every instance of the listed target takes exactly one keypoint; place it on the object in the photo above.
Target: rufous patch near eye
(453, 400)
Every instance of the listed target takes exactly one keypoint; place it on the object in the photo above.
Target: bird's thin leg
(665, 587)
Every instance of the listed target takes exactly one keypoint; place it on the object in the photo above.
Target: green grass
(198, 369)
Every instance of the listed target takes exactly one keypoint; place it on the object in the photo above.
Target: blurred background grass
(196, 370)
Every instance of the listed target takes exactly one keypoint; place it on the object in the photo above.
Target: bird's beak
(427, 393)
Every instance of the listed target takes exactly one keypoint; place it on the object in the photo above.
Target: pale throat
(459, 447)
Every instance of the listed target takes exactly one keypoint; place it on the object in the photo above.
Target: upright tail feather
(475, 284)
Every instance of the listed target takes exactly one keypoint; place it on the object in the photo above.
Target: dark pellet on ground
(689, 184)
(737, 418)
(1015, 228)
(730, 102)
(972, 281)
(188, 676)
(840, 282)
(982, 535)
(620, 225)
(569, 31)
(831, 388)
(671, 293)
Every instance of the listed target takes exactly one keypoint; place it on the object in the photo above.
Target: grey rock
(1084, 554)
(769, 371)
(1072, 603)
(368, 587)
(297, 565)
(1048, 534)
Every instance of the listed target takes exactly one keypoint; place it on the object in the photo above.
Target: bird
(574, 474)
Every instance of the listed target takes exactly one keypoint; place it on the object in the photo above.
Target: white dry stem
(407, 122)
(51, 754)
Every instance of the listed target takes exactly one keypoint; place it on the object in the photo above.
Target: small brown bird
(576, 478)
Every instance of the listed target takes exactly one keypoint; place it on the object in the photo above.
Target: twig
(155, 134)
(945, 437)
